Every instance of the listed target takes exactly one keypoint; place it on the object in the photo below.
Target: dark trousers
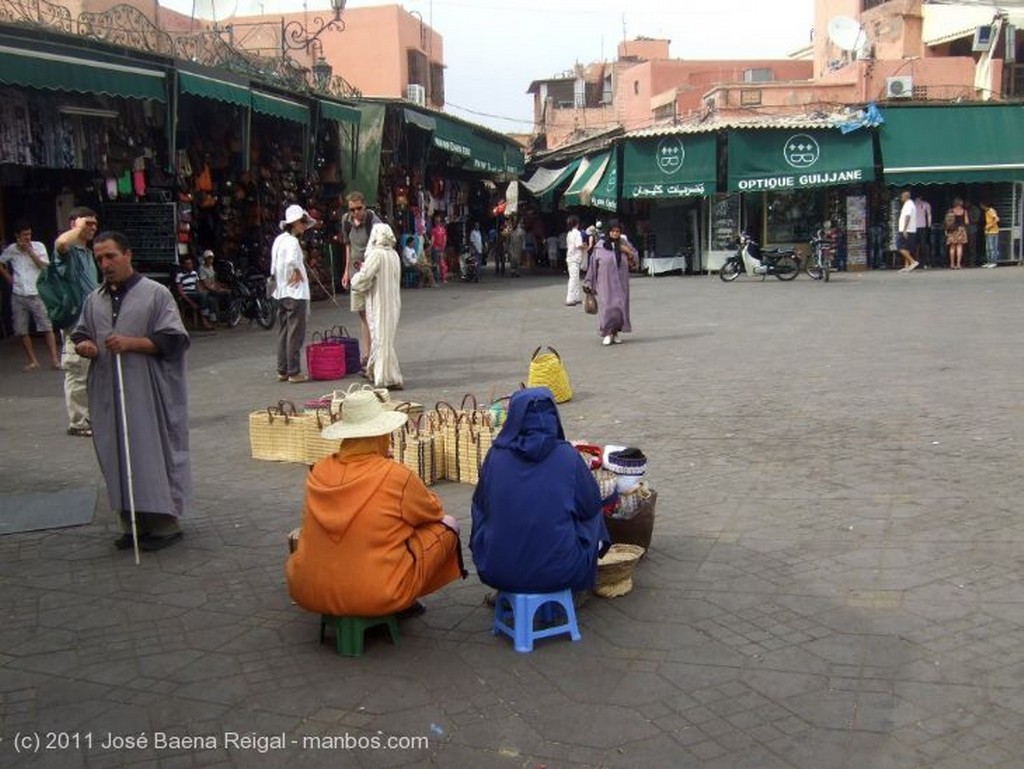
(924, 249)
(291, 335)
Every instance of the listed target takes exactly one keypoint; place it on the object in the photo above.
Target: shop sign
(807, 161)
(454, 147)
(669, 168)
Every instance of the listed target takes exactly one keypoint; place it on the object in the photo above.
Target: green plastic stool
(349, 631)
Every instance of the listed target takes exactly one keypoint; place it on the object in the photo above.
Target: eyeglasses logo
(801, 151)
(670, 155)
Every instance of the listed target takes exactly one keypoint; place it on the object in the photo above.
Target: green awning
(418, 119)
(57, 72)
(214, 88)
(582, 186)
(545, 180)
(606, 191)
(341, 113)
(952, 144)
(774, 159)
(515, 160)
(454, 138)
(679, 166)
(275, 106)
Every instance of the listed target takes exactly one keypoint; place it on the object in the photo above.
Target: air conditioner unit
(901, 87)
(415, 93)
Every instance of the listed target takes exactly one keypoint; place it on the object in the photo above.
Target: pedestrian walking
(608, 279)
(74, 257)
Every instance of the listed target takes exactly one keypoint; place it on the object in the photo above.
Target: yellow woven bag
(547, 370)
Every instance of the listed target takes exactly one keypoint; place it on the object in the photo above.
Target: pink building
(384, 51)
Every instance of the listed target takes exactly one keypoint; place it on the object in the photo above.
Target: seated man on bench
(186, 284)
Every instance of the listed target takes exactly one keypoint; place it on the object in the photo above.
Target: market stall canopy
(606, 191)
(546, 180)
(60, 72)
(475, 149)
(953, 144)
(585, 181)
(678, 166)
(773, 159)
(215, 88)
(340, 113)
(275, 106)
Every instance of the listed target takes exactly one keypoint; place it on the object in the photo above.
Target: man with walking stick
(132, 332)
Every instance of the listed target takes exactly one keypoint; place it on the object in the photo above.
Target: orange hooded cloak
(372, 540)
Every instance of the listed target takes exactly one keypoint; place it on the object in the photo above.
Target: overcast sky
(493, 50)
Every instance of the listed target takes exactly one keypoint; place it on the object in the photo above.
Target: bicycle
(819, 266)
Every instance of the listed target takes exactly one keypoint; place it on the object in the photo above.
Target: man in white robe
(136, 318)
(380, 279)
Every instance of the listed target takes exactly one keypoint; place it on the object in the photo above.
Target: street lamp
(322, 72)
(295, 36)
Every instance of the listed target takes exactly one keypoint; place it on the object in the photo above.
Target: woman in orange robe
(374, 538)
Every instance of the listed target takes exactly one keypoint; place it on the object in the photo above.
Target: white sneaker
(913, 266)
(616, 339)
(607, 340)
(990, 265)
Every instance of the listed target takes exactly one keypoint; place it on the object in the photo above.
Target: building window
(758, 75)
(417, 62)
(665, 111)
(636, 87)
(437, 85)
(606, 90)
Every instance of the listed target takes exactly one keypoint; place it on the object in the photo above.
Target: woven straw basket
(615, 570)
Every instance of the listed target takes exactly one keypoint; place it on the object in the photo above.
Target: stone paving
(835, 578)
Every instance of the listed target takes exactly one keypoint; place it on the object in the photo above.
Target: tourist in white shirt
(26, 258)
(291, 291)
(575, 255)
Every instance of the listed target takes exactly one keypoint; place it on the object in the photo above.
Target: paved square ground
(835, 578)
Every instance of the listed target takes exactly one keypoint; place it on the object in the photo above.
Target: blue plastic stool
(514, 615)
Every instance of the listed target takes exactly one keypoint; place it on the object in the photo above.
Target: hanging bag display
(547, 370)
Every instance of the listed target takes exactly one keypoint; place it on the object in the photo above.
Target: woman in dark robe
(537, 520)
(608, 278)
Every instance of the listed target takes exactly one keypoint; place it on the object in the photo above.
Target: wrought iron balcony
(127, 27)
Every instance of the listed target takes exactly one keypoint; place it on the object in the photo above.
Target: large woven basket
(615, 570)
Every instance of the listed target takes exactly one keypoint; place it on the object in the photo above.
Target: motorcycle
(247, 297)
(751, 259)
(471, 268)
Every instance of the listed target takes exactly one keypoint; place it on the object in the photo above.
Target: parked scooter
(753, 260)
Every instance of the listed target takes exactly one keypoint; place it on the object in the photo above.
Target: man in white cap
(291, 290)
(374, 537)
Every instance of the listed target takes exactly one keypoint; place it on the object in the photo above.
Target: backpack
(346, 223)
(59, 295)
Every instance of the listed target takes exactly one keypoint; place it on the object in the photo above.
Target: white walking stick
(127, 456)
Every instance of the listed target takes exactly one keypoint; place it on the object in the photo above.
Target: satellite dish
(214, 10)
(846, 33)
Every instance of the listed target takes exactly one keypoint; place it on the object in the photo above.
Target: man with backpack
(74, 258)
(20, 264)
(355, 234)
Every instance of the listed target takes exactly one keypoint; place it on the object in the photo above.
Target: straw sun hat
(363, 416)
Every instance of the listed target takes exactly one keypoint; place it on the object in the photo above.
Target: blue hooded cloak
(537, 521)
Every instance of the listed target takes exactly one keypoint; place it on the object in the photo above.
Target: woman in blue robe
(537, 520)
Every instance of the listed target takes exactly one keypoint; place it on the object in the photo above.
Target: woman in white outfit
(380, 278)
(575, 256)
